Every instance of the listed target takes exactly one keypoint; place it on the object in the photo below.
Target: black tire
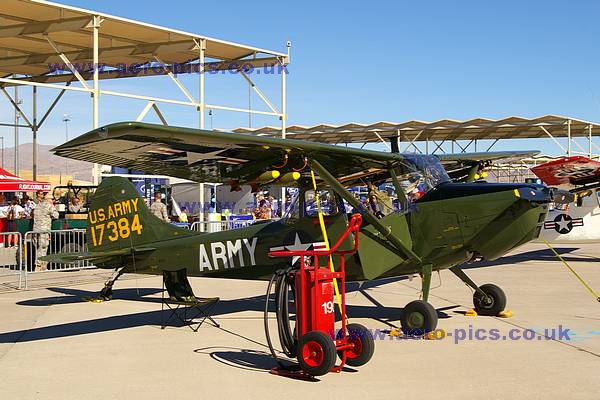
(316, 353)
(495, 304)
(418, 318)
(364, 345)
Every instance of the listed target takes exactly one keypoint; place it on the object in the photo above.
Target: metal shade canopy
(30, 29)
(445, 129)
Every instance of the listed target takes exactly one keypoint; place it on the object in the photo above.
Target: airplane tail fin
(119, 218)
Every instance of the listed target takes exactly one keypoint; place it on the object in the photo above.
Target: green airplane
(436, 224)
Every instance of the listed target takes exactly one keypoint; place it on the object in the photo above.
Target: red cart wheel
(316, 353)
(363, 345)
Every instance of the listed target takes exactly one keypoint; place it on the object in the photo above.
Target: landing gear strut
(488, 299)
(106, 292)
(419, 317)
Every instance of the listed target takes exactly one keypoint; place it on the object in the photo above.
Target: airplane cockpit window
(419, 174)
(292, 207)
(327, 201)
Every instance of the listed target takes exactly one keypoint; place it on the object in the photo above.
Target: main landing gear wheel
(418, 318)
(316, 353)
(363, 345)
(493, 304)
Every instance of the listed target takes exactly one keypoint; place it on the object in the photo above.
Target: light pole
(66, 119)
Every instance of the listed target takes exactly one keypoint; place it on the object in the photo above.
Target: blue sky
(370, 61)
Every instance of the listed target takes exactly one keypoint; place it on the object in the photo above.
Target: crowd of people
(41, 211)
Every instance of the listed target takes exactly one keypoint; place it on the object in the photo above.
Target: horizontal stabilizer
(67, 258)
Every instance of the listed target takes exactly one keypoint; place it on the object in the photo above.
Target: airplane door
(377, 255)
(308, 228)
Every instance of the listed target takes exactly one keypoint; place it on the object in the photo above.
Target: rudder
(119, 218)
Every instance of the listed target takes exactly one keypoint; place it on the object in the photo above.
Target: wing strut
(386, 232)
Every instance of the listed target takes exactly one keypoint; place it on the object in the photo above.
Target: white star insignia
(562, 223)
(296, 246)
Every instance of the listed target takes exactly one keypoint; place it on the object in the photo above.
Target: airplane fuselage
(451, 225)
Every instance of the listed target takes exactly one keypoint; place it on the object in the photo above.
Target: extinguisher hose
(283, 285)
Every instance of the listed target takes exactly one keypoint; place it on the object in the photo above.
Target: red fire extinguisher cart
(317, 343)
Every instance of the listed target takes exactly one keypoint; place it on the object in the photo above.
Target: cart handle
(353, 226)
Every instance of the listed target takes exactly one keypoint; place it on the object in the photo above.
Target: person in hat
(43, 214)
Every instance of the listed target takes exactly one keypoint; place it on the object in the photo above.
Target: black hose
(283, 284)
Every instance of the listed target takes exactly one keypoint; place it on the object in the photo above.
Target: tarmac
(55, 346)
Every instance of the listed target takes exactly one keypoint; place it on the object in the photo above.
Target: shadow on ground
(223, 308)
(535, 255)
(377, 311)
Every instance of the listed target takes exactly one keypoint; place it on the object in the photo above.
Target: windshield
(419, 174)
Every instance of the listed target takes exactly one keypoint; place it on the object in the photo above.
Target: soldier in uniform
(159, 209)
(43, 214)
(380, 202)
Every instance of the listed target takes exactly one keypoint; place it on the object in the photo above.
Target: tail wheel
(493, 303)
(363, 345)
(418, 317)
(316, 353)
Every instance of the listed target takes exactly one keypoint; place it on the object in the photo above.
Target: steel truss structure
(458, 137)
(35, 35)
(461, 136)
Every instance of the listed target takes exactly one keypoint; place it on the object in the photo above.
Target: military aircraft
(577, 221)
(448, 225)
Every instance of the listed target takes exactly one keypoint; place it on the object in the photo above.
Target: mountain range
(47, 162)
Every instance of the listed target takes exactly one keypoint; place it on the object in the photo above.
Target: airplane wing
(491, 156)
(574, 171)
(459, 165)
(219, 157)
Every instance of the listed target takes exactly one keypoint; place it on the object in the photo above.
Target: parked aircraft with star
(449, 224)
(578, 221)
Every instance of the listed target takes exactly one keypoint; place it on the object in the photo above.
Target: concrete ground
(54, 346)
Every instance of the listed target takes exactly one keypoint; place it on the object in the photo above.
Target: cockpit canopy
(417, 175)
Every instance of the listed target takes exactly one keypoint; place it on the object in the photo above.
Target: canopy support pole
(283, 62)
(96, 89)
(34, 130)
(569, 136)
(201, 43)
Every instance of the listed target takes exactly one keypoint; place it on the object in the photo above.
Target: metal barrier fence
(19, 253)
(218, 226)
(38, 244)
(11, 265)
